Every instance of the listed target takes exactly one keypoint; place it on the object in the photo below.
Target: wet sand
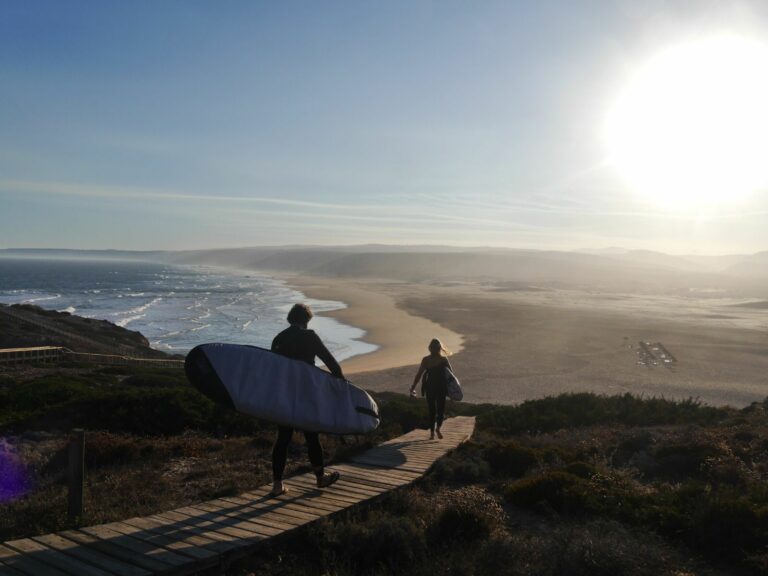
(514, 345)
(400, 335)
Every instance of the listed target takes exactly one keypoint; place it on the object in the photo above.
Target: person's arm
(418, 376)
(448, 363)
(324, 354)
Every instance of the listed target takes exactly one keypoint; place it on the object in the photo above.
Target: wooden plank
(394, 473)
(288, 500)
(289, 519)
(108, 563)
(388, 464)
(347, 481)
(262, 500)
(27, 565)
(173, 530)
(107, 532)
(263, 496)
(167, 528)
(345, 487)
(405, 457)
(314, 492)
(395, 461)
(177, 544)
(352, 471)
(222, 526)
(109, 547)
(205, 528)
(258, 531)
(55, 558)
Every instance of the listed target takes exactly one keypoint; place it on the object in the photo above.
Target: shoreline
(402, 338)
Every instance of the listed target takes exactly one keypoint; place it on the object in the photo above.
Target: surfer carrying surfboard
(434, 385)
(300, 343)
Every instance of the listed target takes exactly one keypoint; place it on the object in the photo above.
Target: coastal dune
(526, 324)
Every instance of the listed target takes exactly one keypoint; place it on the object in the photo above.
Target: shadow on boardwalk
(215, 533)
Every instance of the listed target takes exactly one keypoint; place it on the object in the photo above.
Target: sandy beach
(401, 336)
(513, 345)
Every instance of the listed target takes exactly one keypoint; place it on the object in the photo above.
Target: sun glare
(691, 129)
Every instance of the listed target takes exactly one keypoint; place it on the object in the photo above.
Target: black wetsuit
(435, 388)
(300, 344)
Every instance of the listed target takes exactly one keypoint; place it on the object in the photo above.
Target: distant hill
(630, 271)
(755, 265)
(63, 253)
(613, 268)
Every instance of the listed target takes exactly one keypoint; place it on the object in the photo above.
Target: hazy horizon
(553, 126)
(601, 251)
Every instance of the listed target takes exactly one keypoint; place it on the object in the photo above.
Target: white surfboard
(453, 386)
(289, 392)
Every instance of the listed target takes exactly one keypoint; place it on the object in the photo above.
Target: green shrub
(464, 465)
(98, 402)
(467, 515)
(510, 459)
(586, 409)
(558, 456)
(563, 492)
(105, 449)
(630, 445)
(684, 461)
(580, 469)
(163, 380)
(381, 541)
(720, 524)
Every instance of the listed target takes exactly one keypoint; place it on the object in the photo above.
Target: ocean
(174, 307)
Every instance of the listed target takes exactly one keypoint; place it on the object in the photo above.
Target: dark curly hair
(299, 314)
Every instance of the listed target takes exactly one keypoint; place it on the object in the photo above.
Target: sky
(189, 124)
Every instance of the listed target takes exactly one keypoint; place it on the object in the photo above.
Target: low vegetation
(575, 484)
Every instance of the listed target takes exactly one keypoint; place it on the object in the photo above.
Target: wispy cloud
(137, 193)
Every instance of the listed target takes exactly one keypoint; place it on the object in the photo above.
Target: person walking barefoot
(434, 385)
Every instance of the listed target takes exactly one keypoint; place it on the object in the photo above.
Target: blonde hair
(437, 345)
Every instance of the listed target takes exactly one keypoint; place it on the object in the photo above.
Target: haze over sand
(527, 324)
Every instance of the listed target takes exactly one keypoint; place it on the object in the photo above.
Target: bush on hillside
(467, 515)
(510, 459)
(382, 541)
(100, 402)
(464, 465)
(585, 409)
(563, 492)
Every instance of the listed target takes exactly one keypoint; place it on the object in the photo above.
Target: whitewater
(174, 307)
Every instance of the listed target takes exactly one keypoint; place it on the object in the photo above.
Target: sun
(690, 130)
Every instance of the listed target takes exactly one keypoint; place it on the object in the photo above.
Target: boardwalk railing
(215, 533)
(47, 354)
(123, 360)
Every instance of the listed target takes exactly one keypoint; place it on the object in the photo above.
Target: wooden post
(76, 474)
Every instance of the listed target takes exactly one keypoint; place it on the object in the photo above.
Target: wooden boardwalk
(213, 534)
(52, 354)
